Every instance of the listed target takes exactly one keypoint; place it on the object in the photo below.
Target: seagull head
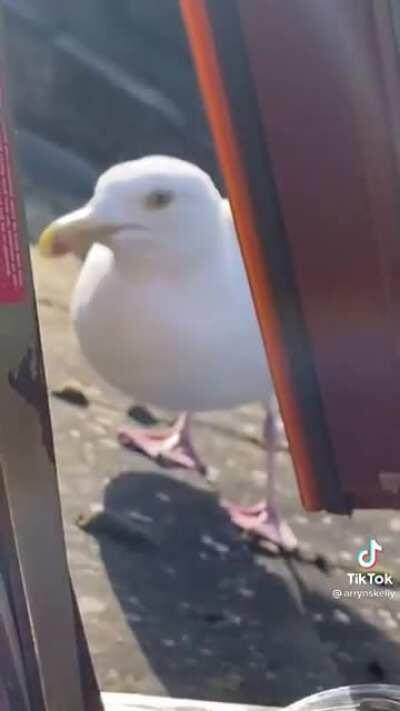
(149, 207)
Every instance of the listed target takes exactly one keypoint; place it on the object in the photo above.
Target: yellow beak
(74, 232)
(47, 241)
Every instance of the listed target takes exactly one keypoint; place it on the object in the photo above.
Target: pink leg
(264, 519)
(172, 447)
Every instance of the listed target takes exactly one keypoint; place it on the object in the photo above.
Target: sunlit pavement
(200, 612)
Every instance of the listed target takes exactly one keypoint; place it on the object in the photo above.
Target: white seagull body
(178, 339)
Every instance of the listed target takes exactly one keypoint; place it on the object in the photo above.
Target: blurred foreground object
(362, 697)
(44, 662)
(304, 103)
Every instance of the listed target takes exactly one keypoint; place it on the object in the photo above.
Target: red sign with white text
(11, 276)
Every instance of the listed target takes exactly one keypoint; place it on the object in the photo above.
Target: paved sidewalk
(197, 612)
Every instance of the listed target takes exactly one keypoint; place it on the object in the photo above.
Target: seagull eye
(158, 199)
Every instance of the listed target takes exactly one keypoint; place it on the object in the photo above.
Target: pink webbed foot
(262, 521)
(170, 448)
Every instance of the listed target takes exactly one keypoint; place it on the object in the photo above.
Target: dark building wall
(109, 81)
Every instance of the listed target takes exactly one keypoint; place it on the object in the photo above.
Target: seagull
(163, 312)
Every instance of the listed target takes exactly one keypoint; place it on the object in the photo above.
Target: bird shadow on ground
(213, 619)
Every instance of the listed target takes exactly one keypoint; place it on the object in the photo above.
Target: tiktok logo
(368, 557)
